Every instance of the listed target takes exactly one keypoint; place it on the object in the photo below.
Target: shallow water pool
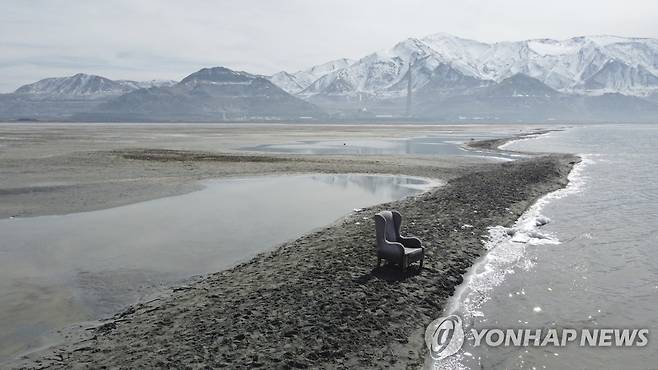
(444, 145)
(58, 270)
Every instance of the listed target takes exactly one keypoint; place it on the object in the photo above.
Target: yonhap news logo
(445, 336)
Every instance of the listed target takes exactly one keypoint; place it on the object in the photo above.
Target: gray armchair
(393, 247)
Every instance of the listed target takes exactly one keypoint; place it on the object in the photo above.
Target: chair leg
(421, 262)
(379, 261)
(404, 264)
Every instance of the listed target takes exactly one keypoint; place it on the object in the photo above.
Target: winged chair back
(387, 226)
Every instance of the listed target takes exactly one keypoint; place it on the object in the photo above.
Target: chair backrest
(387, 226)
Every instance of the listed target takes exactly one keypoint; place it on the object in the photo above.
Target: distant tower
(412, 60)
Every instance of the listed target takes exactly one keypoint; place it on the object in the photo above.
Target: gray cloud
(149, 39)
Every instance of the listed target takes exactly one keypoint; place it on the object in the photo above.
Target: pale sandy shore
(315, 302)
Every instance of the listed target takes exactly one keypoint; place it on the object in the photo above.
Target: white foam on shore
(506, 247)
(505, 255)
(524, 138)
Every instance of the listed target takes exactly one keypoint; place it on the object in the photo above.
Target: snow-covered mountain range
(590, 65)
(582, 79)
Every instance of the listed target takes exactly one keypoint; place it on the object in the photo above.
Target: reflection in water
(56, 270)
(428, 145)
(397, 187)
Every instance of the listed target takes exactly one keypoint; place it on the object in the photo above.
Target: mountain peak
(294, 83)
(84, 75)
(522, 85)
(77, 86)
(445, 36)
(218, 75)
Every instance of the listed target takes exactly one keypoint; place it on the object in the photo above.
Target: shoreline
(327, 314)
(497, 145)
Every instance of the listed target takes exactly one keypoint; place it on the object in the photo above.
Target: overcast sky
(149, 39)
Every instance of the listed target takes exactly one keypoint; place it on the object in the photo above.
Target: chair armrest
(391, 249)
(411, 242)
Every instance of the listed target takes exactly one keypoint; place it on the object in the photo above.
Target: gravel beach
(315, 302)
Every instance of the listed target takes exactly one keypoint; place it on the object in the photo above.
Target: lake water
(594, 265)
(445, 145)
(58, 270)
